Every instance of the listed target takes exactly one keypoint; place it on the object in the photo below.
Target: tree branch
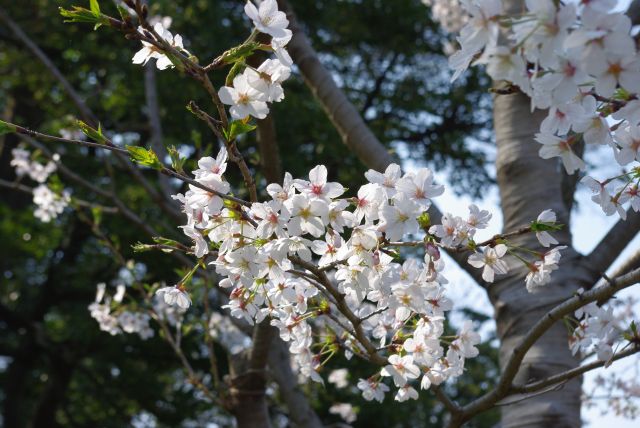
(80, 202)
(570, 374)
(85, 112)
(612, 244)
(512, 365)
(113, 148)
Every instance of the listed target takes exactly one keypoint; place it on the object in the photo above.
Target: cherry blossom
(244, 99)
(267, 18)
(491, 261)
(151, 51)
(175, 295)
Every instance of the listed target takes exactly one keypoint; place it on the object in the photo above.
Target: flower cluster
(578, 61)
(598, 329)
(255, 87)
(345, 410)
(24, 165)
(114, 319)
(257, 251)
(49, 204)
(456, 233)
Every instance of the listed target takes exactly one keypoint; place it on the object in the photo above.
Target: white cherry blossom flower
(267, 18)
(628, 139)
(318, 187)
(405, 393)
(208, 165)
(308, 216)
(268, 79)
(491, 261)
(372, 390)
(201, 246)
(553, 146)
(400, 218)
(401, 369)
(244, 99)
(387, 180)
(345, 410)
(339, 378)
(175, 295)
(540, 271)
(419, 187)
(201, 198)
(150, 51)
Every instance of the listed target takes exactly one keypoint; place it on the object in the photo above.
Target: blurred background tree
(58, 368)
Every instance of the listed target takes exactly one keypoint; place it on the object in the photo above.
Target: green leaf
(95, 7)
(82, 15)
(145, 157)
(177, 161)
(238, 127)
(124, 13)
(7, 128)
(237, 68)
(424, 220)
(97, 215)
(166, 241)
(95, 134)
(239, 53)
(539, 226)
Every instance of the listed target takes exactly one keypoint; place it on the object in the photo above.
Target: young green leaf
(82, 15)
(237, 127)
(95, 134)
(95, 7)
(177, 161)
(6, 128)
(146, 157)
(239, 53)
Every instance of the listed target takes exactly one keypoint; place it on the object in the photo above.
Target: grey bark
(529, 185)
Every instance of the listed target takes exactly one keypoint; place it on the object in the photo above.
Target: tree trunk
(247, 401)
(529, 185)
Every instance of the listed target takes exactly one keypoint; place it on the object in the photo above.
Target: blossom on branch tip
(150, 51)
(267, 18)
(175, 295)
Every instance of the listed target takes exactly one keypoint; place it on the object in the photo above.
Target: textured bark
(529, 185)
(301, 414)
(247, 401)
(268, 147)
